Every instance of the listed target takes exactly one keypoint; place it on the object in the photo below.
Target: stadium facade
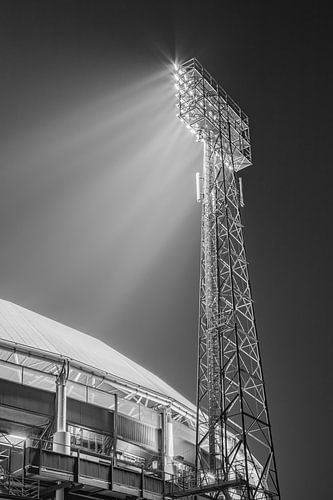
(77, 418)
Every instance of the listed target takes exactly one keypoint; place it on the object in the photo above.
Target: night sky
(98, 215)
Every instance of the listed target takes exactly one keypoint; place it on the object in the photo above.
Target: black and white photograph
(165, 245)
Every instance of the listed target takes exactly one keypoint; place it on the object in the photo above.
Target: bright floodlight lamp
(207, 109)
(233, 439)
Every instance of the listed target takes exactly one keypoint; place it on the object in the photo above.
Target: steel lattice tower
(234, 448)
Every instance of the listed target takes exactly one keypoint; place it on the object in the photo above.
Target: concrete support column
(61, 438)
(168, 444)
(60, 494)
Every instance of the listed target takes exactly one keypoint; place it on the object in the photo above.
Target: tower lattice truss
(234, 448)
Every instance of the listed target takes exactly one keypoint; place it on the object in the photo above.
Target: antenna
(241, 196)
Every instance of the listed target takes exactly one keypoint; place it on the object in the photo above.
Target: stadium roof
(23, 328)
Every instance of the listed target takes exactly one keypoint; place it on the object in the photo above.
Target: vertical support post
(40, 452)
(61, 438)
(60, 493)
(24, 460)
(9, 468)
(142, 482)
(115, 431)
(162, 417)
(168, 443)
(162, 459)
(77, 472)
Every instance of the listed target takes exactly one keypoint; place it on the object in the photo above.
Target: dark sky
(99, 222)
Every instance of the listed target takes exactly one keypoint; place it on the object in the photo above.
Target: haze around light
(101, 192)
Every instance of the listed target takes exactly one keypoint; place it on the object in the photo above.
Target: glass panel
(40, 365)
(149, 416)
(107, 386)
(4, 354)
(40, 380)
(10, 372)
(77, 376)
(129, 408)
(94, 380)
(101, 398)
(76, 391)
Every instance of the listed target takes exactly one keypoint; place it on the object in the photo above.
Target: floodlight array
(206, 110)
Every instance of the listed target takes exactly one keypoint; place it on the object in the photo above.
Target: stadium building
(77, 418)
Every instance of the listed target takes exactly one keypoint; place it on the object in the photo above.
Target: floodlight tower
(234, 448)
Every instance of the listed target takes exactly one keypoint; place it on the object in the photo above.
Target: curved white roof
(31, 330)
